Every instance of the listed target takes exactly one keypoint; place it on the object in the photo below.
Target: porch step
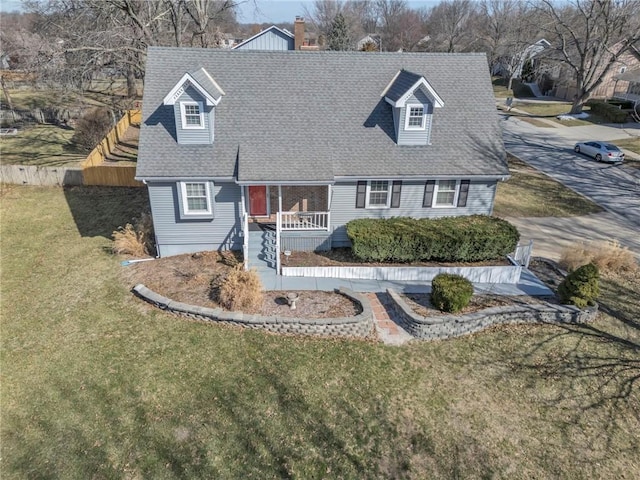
(262, 245)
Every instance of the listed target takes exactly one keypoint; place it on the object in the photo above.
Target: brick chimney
(298, 33)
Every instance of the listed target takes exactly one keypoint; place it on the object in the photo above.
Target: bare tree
(588, 36)
(507, 35)
(449, 23)
(391, 14)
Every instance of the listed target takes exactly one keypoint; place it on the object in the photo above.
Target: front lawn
(531, 193)
(41, 145)
(96, 384)
(551, 110)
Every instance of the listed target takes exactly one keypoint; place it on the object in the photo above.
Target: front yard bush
(472, 238)
(609, 112)
(450, 293)
(581, 287)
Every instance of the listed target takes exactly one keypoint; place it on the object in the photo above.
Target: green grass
(530, 193)
(553, 109)
(43, 145)
(98, 385)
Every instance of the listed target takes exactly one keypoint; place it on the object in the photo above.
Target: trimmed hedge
(609, 112)
(581, 287)
(450, 293)
(472, 238)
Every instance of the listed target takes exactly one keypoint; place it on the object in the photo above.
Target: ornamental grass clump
(135, 239)
(608, 256)
(240, 290)
(450, 293)
(581, 287)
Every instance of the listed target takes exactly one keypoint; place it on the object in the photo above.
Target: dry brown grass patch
(608, 256)
(136, 239)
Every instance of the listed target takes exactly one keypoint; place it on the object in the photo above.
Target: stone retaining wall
(448, 326)
(359, 326)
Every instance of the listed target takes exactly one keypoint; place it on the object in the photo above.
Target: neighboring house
(558, 79)
(278, 39)
(627, 86)
(309, 141)
(515, 65)
(373, 39)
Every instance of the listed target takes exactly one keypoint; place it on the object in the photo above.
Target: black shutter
(395, 193)
(428, 193)
(361, 194)
(464, 193)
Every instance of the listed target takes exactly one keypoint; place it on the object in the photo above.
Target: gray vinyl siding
(414, 137)
(343, 202)
(194, 136)
(269, 40)
(175, 236)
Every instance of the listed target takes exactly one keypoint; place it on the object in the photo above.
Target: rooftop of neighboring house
(318, 116)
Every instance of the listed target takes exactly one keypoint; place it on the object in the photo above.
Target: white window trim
(436, 188)
(423, 126)
(185, 202)
(183, 115)
(368, 194)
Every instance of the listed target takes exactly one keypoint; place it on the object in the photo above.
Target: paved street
(614, 187)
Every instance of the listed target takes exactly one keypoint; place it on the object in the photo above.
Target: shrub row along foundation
(359, 326)
(449, 326)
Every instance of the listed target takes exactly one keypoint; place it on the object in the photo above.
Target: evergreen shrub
(450, 293)
(450, 239)
(581, 287)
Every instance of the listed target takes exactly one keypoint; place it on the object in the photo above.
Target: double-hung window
(192, 115)
(445, 193)
(415, 117)
(196, 199)
(378, 194)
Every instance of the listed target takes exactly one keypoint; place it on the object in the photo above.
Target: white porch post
(329, 208)
(278, 229)
(245, 230)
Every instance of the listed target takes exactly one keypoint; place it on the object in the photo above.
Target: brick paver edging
(449, 326)
(360, 325)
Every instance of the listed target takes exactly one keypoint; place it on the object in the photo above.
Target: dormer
(194, 99)
(413, 100)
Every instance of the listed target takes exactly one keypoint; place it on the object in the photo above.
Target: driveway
(550, 150)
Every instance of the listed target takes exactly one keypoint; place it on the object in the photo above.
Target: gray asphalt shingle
(314, 116)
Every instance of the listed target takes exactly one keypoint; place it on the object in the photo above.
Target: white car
(601, 151)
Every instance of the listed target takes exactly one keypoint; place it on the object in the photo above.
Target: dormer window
(415, 117)
(192, 115)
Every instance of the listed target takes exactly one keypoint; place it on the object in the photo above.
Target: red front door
(258, 200)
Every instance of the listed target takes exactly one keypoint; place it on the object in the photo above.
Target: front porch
(277, 218)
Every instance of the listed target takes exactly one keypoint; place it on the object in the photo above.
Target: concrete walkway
(551, 235)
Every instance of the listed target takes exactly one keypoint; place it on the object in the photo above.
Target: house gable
(273, 38)
(194, 98)
(413, 100)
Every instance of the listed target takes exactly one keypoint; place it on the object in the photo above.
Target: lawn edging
(449, 326)
(360, 325)
(486, 274)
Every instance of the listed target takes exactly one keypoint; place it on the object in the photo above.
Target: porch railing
(304, 220)
(245, 240)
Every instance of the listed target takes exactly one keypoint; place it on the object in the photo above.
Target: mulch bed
(187, 278)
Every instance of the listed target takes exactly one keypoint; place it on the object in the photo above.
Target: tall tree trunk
(132, 91)
(6, 92)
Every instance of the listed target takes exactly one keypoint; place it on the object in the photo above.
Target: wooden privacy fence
(92, 170)
(95, 172)
(32, 175)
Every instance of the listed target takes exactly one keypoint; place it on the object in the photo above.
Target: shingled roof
(317, 116)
